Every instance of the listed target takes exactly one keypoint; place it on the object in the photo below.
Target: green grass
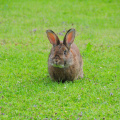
(26, 90)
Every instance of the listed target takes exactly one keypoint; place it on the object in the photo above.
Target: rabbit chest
(63, 74)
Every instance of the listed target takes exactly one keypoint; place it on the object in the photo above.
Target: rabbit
(65, 62)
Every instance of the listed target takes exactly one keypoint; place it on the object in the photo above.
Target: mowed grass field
(27, 91)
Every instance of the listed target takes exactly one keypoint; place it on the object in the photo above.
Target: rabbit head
(60, 55)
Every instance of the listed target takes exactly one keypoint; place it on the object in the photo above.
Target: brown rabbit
(65, 62)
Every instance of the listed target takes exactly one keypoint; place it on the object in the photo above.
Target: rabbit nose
(56, 59)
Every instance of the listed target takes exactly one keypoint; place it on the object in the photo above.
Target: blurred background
(26, 90)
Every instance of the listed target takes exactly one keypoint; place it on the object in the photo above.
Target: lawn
(27, 91)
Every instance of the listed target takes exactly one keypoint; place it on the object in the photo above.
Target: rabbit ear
(53, 38)
(69, 37)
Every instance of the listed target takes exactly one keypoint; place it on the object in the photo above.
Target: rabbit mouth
(58, 66)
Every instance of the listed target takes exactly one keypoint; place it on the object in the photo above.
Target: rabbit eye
(65, 52)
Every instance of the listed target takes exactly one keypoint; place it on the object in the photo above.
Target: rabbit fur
(65, 62)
